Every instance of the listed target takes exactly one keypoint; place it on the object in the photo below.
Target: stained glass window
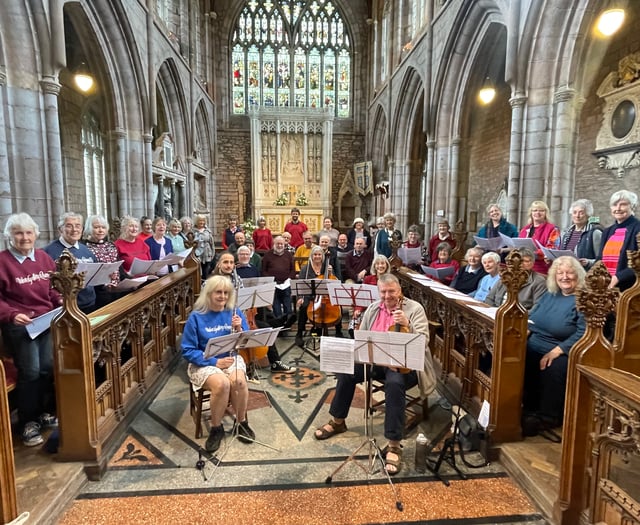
(291, 53)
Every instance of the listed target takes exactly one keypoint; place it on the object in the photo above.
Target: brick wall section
(487, 154)
(233, 180)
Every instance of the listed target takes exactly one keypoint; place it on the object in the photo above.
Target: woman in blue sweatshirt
(554, 326)
(224, 375)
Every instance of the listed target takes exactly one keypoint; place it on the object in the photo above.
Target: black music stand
(231, 343)
(256, 296)
(315, 288)
(375, 348)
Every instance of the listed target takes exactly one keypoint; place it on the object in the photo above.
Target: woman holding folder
(26, 293)
(224, 375)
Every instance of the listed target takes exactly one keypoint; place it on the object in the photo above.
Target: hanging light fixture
(82, 78)
(610, 21)
(487, 92)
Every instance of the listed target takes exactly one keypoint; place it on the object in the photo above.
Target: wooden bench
(8, 496)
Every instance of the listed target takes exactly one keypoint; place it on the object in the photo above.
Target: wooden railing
(478, 357)
(8, 498)
(134, 338)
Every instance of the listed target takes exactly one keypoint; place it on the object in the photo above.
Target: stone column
(182, 203)
(517, 102)
(452, 211)
(148, 206)
(51, 90)
(327, 163)
(563, 169)
(399, 175)
(429, 210)
(6, 207)
(118, 146)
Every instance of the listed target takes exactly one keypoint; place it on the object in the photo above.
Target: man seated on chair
(224, 375)
(392, 309)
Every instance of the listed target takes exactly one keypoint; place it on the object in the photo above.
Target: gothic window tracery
(291, 53)
(93, 165)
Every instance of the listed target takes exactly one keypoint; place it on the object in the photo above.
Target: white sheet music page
(336, 355)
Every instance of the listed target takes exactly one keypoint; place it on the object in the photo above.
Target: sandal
(324, 433)
(396, 464)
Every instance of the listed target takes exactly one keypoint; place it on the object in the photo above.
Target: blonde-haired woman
(214, 315)
(541, 229)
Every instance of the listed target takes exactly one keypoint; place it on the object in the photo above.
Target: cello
(258, 352)
(321, 311)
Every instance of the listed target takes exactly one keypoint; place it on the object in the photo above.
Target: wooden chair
(197, 398)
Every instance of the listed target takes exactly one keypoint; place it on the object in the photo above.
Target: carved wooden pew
(8, 498)
(136, 339)
(479, 358)
(601, 433)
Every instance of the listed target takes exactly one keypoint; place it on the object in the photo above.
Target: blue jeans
(33, 359)
(282, 302)
(395, 387)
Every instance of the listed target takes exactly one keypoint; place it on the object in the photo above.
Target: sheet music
(390, 349)
(410, 255)
(554, 254)
(248, 339)
(139, 266)
(438, 273)
(519, 242)
(336, 355)
(134, 283)
(97, 273)
(256, 296)
(284, 285)
(250, 282)
(492, 244)
(41, 323)
(352, 294)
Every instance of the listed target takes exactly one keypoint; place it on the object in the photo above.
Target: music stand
(377, 348)
(231, 343)
(314, 288)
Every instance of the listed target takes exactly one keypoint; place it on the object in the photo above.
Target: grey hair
(124, 224)
(389, 215)
(244, 249)
(20, 220)
(88, 224)
(376, 260)
(68, 215)
(624, 195)
(476, 249)
(526, 252)
(493, 205)
(585, 204)
(491, 255)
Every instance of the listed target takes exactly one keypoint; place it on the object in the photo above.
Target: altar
(291, 161)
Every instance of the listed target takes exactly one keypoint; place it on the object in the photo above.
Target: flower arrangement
(283, 200)
(302, 200)
(248, 226)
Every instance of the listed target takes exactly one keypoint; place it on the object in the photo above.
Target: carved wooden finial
(514, 276)
(65, 279)
(190, 241)
(460, 235)
(596, 300)
(114, 229)
(633, 256)
(394, 261)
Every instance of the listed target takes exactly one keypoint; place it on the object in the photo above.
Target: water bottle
(421, 453)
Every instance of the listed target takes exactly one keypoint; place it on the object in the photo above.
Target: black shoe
(339, 333)
(245, 434)
(280, 367)
(531, 426)
(215, 438)
(291, 320)
(300, 341)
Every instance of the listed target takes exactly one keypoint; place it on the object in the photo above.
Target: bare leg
(219, 386)
(239, 394)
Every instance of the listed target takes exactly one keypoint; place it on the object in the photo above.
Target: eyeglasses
(73, 227)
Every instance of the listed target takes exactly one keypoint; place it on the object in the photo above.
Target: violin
(321, 311)
(397, 327)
